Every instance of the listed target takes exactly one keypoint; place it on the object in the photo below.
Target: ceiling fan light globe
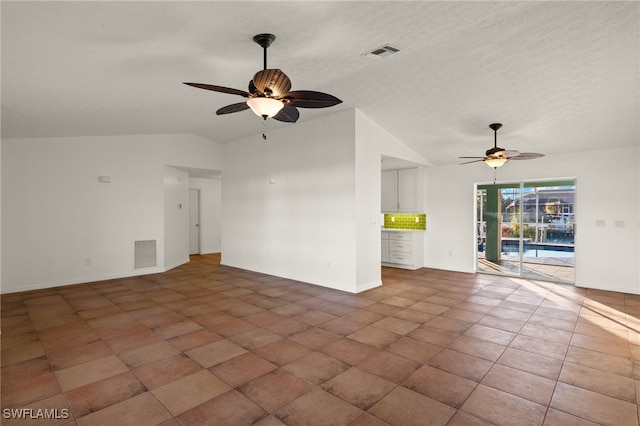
(265, 107)
(495, 162)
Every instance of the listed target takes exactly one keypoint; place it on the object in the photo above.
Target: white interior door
(194, 221)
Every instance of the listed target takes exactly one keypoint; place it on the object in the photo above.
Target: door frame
(197, 227)
(522, 183)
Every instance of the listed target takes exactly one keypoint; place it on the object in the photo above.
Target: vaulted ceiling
(560, 76)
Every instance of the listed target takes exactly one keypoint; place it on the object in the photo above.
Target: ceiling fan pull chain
(264, 133)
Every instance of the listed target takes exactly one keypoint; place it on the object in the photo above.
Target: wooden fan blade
(527, 156)
(272, 82)
(311, 99)
(240, 106)
(288, 114)
(473, 157)
(219, 89)
(474, 161)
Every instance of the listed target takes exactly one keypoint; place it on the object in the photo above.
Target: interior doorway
(527, 229)
(194, 221)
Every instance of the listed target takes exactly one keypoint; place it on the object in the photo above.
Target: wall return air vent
(381, 52)
(145, 254)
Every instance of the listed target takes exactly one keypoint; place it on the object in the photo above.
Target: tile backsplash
(405, 221)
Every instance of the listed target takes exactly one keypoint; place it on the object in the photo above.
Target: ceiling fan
(496, 157)
(269, 92)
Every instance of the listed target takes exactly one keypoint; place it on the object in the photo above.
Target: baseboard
(594, 286)
(368, 286)
(176, 264)
(85, 280)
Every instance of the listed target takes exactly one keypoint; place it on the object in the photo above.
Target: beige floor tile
(98, 395)
(348, 351)
(141, 410)
(215, 353)
(389, 366)
(478, 348)
(532, 363)
(178, 396)
(242, 368)
(230, 408)
(441, 386)
(358, 387)
(274, 390)
(167, 370)
(374, 336)
(316, 367)
(150, 352)
(406, 407)
(502, 408)
(610, 363)
(89, 372)
(593, 406)
(461, 364)
(559, 418)
(320, 406)
(599, 381)
(520, 383)
(282, 351)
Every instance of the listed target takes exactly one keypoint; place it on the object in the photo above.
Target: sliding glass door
(527, 229)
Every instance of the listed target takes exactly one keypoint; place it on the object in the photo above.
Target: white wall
(305, 204)
(56, 217)
(606, 257)
(371, 142)
(368, 141)
(288, 202)
(210, 212)
(176, 217)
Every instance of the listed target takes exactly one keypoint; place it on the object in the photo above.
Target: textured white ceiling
(561, 76)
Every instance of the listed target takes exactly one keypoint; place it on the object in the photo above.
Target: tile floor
(209, 344)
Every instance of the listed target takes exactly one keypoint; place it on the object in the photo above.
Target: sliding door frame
(521, 185)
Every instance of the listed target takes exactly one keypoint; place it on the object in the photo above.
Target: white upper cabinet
(408, 194)
(390, 191)
(401, 191)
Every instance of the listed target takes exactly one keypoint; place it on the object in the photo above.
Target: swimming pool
(534, 249)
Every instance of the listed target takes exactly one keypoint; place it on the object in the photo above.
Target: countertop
(401, 230)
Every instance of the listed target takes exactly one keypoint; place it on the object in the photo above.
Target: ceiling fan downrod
(265, 41)
(495, 127)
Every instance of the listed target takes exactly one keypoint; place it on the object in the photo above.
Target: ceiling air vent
(381, 52)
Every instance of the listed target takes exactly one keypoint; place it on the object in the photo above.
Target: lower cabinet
(403, 249)
(385, 247)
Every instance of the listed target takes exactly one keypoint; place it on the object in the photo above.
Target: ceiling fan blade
(527, 156)
(288, 114)
(311, 99)
(512, 153)
(240, 106)
(220, 89)
(474, 161)
(482, 158)
(272, 81)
